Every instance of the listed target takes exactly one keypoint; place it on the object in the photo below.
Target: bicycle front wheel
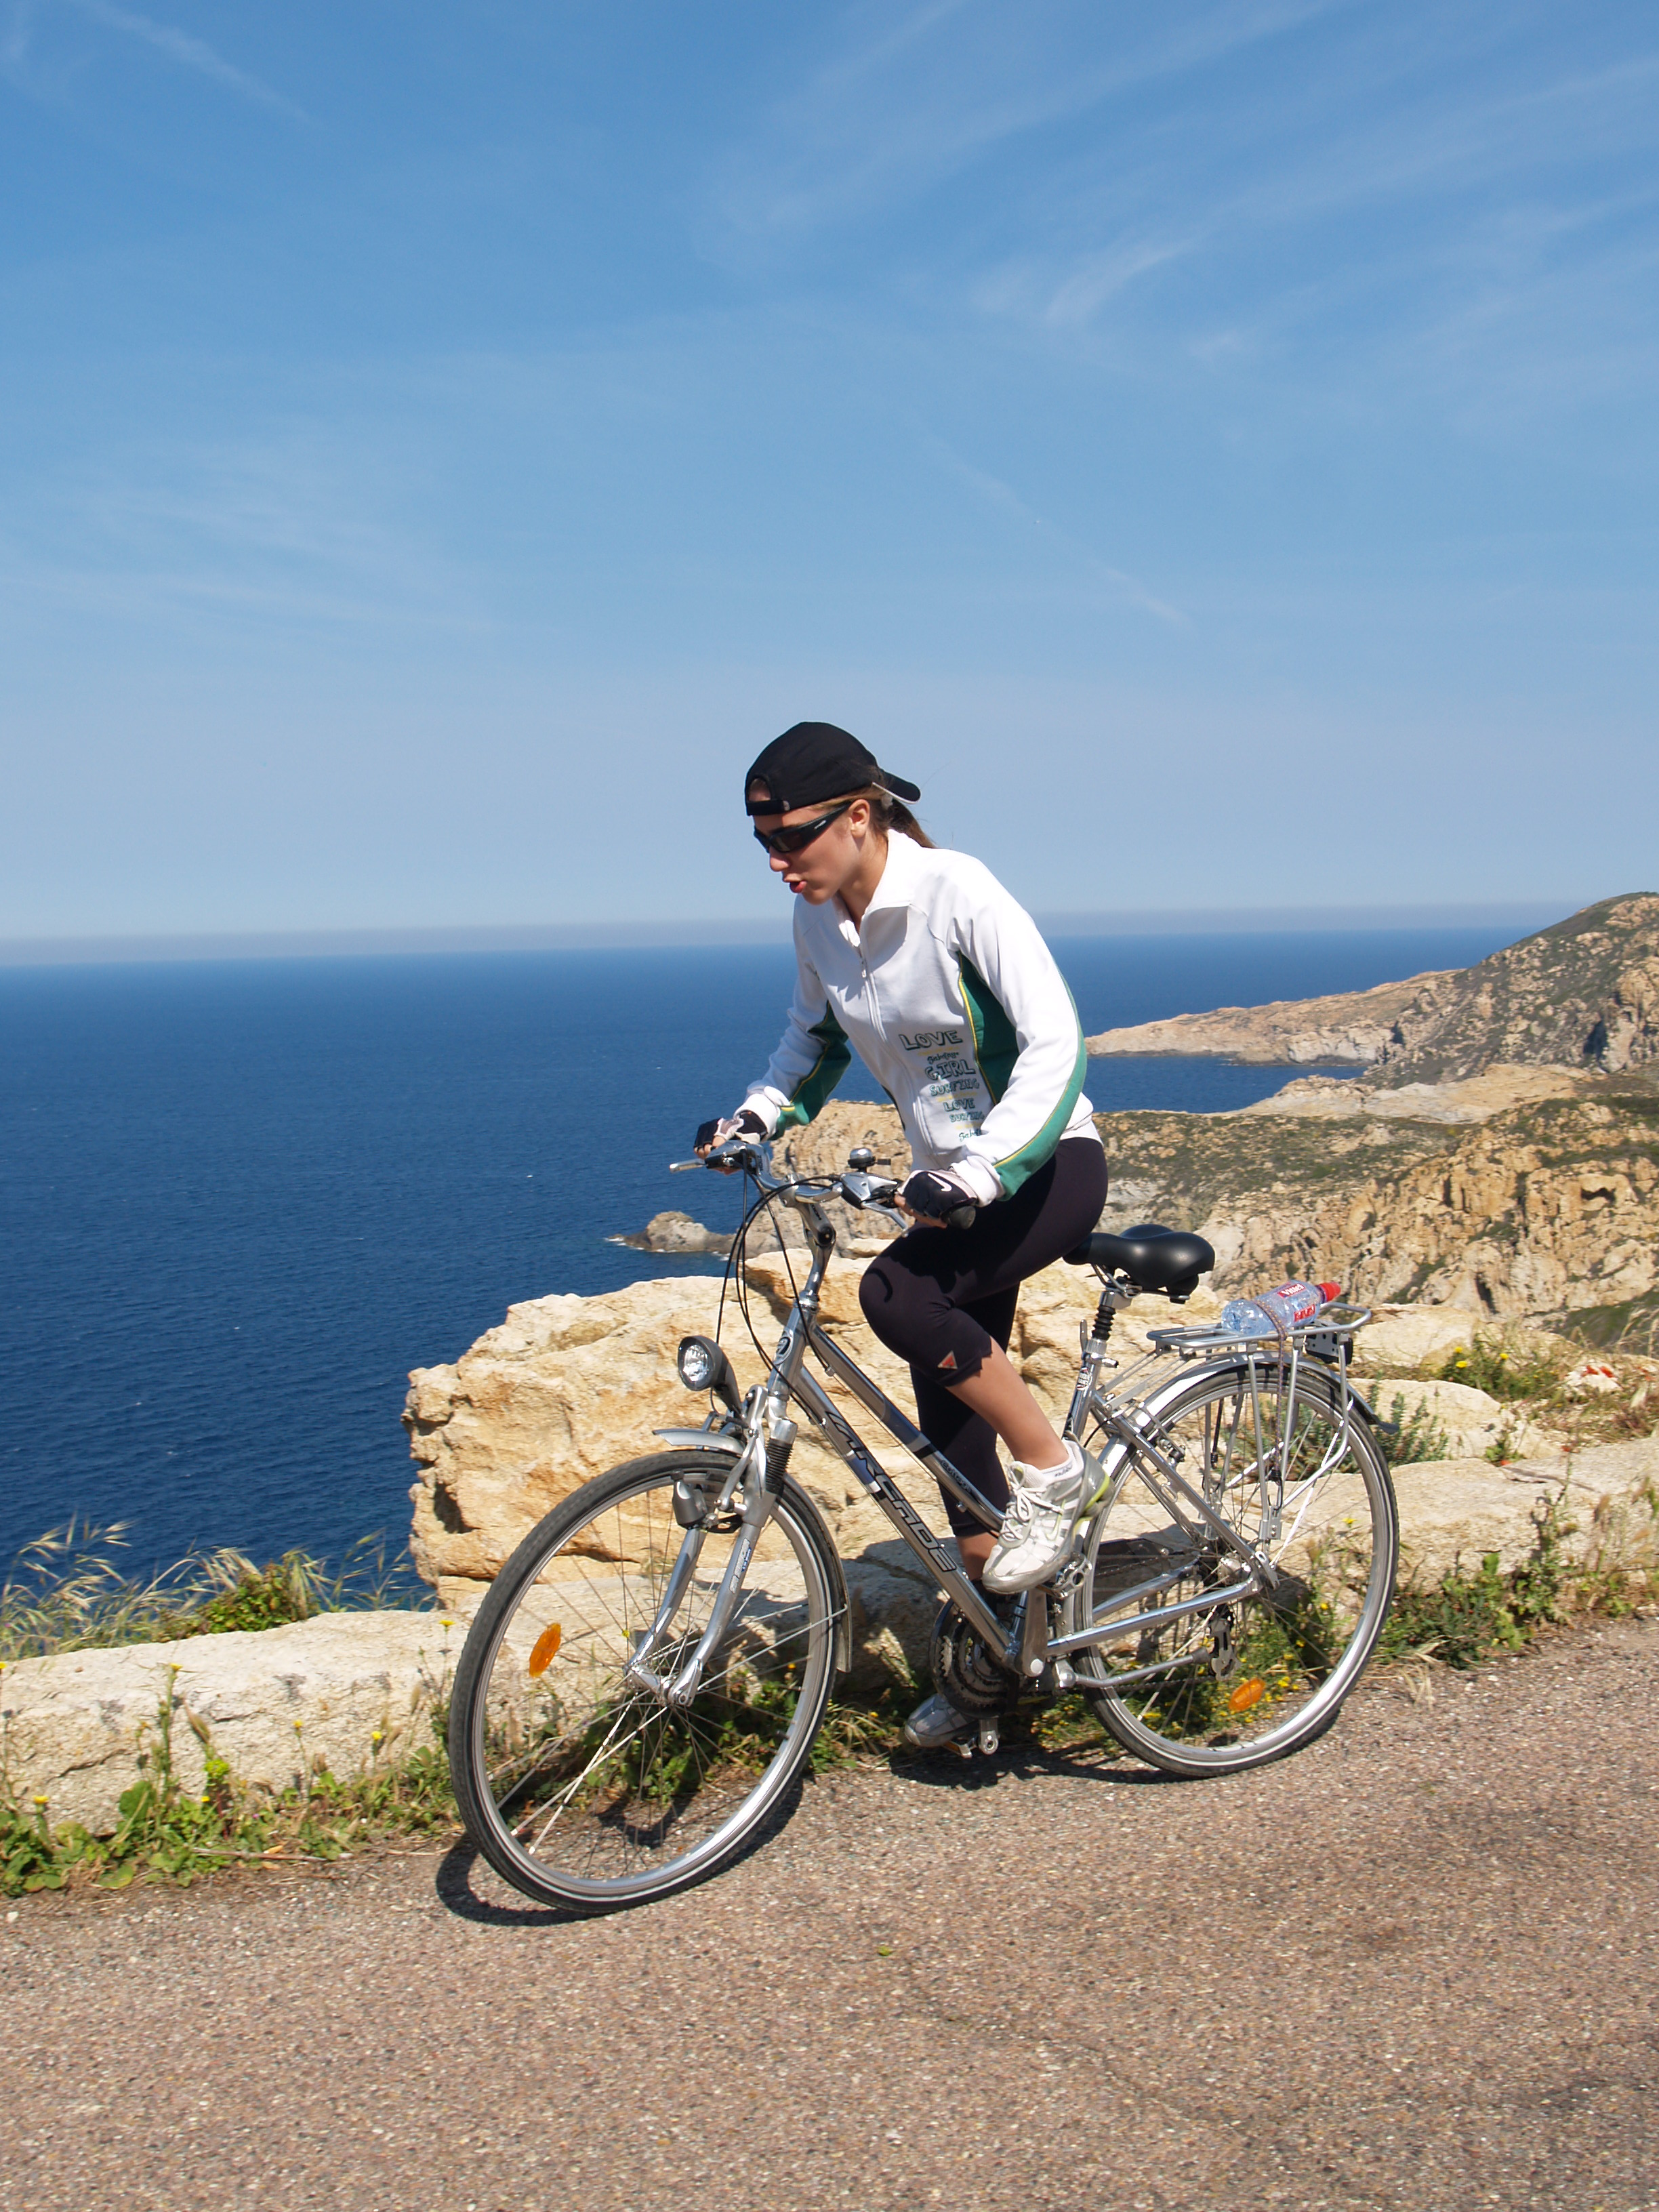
(1236, 1682)
(579, 1785)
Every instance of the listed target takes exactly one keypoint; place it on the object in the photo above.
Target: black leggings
(939, 1297)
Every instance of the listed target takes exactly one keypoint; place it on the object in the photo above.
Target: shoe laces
(1016, 1515)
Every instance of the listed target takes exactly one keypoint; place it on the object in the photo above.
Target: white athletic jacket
(957, 1008)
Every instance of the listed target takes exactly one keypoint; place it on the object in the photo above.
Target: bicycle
(643, 1683)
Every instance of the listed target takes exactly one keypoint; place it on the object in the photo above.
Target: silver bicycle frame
(1025, 1646)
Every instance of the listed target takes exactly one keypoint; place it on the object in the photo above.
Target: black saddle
(1152, 1257)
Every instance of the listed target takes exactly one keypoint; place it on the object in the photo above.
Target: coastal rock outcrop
(1453, 1512)
(676, 1233)
(1344, 1026)
(1549, 1207)
(1466, 1423)
(1584, 994)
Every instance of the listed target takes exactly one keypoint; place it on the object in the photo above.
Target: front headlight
(697, 1362)
(703, 1366)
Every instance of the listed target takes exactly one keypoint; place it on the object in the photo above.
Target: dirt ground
(1413, 1967)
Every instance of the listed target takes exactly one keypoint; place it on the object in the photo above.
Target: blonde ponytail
(890, 814)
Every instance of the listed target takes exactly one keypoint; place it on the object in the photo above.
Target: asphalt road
(1413, 1967)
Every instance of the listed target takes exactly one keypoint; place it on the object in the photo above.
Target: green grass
(165, 1833)
(1508, 1366)
(1471, 1615)
(1405, 1440)
(1632, 1327)
(67, 1592)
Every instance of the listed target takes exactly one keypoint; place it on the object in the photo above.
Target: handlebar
(743, 1156)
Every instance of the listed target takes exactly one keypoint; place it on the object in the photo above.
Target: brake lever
(868, 1190)
(738, 1155)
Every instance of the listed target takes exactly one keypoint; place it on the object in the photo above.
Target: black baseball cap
(814, 761)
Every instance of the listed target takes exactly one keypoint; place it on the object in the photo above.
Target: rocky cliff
(1584, 994)
(1548, 1205)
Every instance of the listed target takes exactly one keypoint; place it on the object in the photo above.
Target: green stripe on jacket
(996, 1048)
(834, 1057)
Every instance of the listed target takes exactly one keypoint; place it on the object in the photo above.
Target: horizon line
(1523, 915)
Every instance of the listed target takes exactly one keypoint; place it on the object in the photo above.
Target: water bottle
(1287, 1307)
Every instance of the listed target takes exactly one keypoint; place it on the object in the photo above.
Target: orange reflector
(1246, 1695)
(541, 1656)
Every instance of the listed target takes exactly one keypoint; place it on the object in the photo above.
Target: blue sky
(1212, 448)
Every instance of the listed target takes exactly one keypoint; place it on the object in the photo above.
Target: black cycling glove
(745, 1123)
(940, 1198)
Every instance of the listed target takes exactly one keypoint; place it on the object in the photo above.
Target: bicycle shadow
(456, 1891)
(1022, 1757)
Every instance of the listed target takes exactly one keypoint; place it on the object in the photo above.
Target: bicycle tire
(1257, 1679)
(586, 1791)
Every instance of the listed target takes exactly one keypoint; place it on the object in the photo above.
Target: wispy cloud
(15, 39)
(301, 526)
(997, 493)
(1418, 205)
(189, 52)
(900, 107)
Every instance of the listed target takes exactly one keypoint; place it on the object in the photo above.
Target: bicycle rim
(583, 1787)
(1248, 1679)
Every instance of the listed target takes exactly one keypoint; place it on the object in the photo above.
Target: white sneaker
(1037, 1529)
(936, 1723)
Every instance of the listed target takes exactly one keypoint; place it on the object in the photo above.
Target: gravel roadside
(1411, 1966)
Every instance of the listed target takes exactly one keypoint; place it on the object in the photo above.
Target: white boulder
(1454, 1511)
(1472, 1423)
(347, 1691)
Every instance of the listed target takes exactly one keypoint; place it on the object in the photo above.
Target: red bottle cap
(1328, 1291)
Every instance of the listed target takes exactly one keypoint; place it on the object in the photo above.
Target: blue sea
(241, 1199)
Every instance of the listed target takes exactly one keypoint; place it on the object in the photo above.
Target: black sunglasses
(796, 839)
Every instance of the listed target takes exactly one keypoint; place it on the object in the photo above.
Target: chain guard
(965, 1672)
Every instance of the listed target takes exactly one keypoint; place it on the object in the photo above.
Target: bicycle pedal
(989, 1737)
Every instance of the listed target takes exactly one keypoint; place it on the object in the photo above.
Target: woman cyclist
(921, 960)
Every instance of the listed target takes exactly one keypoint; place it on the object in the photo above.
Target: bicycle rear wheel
(583, 1787)
(1246, 1680)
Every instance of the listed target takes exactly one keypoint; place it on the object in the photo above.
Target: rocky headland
(1584, 994)
(1501, 1154)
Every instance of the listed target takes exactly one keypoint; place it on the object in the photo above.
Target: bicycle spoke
(1245, 1677)
(588, 1785)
